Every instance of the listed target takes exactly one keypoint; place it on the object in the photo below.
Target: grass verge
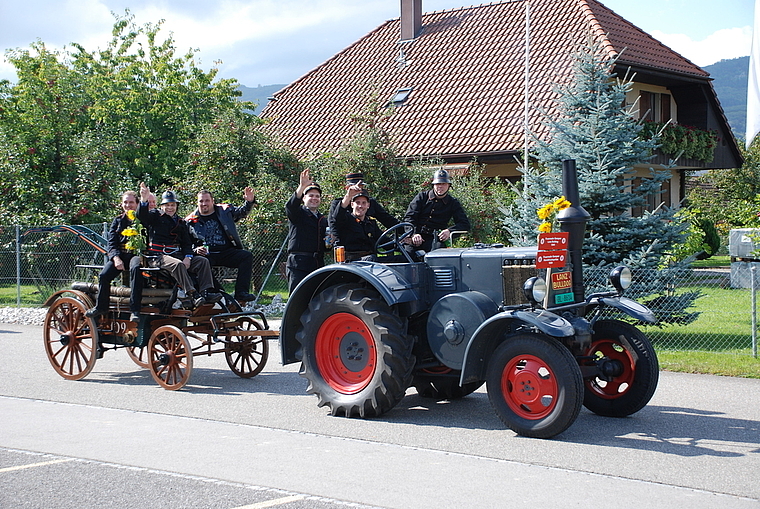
(709, 363)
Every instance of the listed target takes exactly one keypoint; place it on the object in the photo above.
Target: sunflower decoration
(135, 233)
(548, 214)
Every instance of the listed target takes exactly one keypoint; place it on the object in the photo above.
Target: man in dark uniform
(215, 227)
(118, 259)
(375, 209)
(431, 211)
(306, 233)
(358, 232)
(171, 241)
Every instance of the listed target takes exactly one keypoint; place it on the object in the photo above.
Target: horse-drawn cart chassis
(159, 341)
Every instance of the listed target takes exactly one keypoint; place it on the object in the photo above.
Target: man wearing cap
(357, 230)
(375, 209)
(306, 232)
(431, 211)
(215, 227)
(171, 241)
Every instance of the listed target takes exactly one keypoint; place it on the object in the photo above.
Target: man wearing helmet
(431, 211)
(171, 241)
(306, 231)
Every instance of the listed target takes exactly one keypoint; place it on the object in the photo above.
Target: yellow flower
(129, 232)
(561, 203)
(548, 214)
(544, 211)
(131, 215)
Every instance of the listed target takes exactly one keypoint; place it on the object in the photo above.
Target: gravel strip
(23, 316)
(36, 316)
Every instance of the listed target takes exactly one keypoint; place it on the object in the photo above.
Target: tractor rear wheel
(629, 367)
(356, 354)
(535, 385)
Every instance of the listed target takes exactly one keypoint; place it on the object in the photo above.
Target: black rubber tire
(534, 385)
(356, 354)
(632, 390)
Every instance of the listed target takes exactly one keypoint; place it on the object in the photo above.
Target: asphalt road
(116, 439)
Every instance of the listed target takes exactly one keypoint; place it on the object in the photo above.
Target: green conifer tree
(595, 128)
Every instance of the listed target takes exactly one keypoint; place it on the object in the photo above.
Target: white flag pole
(753, 81)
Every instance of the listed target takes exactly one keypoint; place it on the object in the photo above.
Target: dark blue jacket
(117, 241)
(306, 233)
(166, 230)
(227, 215)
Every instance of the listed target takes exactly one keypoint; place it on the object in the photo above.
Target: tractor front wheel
(535, 385)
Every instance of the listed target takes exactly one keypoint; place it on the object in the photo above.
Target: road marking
(273, 502)
(34, 465)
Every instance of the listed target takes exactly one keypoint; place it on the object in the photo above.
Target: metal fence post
(271, 268)
(753, 291)
(18, 266)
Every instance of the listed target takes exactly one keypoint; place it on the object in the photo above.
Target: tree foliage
(79, 127)
(730, 198)
(390, 180)
(602, 136)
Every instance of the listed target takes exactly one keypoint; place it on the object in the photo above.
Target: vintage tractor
(365, 332)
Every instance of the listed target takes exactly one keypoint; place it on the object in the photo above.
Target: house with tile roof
(460, 86)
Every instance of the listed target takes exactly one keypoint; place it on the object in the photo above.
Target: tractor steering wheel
(391, 240)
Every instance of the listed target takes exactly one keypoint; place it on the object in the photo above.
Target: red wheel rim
(620, 384)
(345, 353)
(529, 387)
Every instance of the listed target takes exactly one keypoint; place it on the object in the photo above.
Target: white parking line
(33, 465)
(273, 502)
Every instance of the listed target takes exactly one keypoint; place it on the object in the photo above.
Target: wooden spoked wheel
(71, 338)
(139, 354)
(170, 357)
(246, 355)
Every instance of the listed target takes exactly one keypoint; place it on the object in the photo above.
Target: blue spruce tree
(596, 129)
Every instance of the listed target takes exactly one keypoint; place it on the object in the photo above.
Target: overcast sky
(265, 42)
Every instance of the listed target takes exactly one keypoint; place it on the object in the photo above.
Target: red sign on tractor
(552, 241)
(552, 250)
(547, 259)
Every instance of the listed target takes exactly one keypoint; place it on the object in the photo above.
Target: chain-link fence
(37, 261)
(699, 309)
(710, 310)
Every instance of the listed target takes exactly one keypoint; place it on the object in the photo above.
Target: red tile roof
(467, 74)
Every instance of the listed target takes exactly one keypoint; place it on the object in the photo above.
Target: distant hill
(259, 94)
(730, 82)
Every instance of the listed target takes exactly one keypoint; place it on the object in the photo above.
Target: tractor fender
(390, 284)
(630, 307)
(498, 328)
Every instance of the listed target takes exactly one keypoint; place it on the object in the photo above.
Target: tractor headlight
(620, 277)
(535, 289)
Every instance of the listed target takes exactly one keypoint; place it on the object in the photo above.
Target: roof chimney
(411, 19)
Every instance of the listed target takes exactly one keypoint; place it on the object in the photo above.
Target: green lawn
(713, 261)
(30, 296)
